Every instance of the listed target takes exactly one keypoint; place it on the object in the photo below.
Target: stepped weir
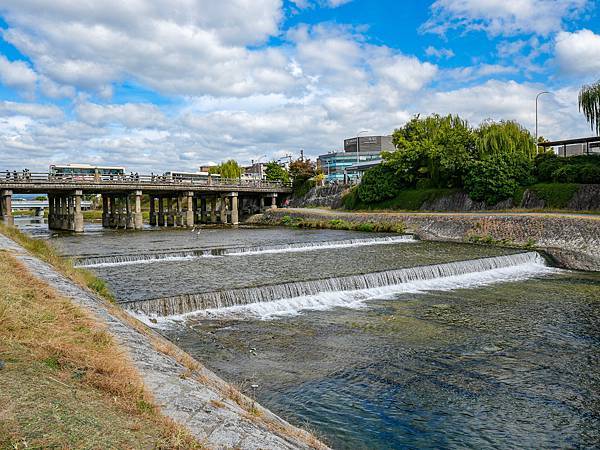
(187, 303)
(186, 255)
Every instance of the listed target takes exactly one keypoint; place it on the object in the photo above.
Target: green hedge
(407, 199)
(555, 195)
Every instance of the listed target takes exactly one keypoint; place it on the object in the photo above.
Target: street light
(358, 144)
(536, 115)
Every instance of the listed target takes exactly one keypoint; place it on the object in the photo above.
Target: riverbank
(571, 240)
(216, 414)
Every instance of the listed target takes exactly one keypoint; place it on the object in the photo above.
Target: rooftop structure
(574, 147)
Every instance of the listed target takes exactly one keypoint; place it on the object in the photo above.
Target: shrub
(491, 180)
(378, 183)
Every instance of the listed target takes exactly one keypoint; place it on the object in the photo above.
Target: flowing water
(372, 340)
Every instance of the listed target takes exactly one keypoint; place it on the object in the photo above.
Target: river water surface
(373, 340)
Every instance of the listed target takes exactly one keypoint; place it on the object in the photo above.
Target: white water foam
(349, 292)
(189, 255)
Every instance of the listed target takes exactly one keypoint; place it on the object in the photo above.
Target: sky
(160, 85)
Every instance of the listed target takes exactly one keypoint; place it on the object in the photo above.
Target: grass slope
(65, 382)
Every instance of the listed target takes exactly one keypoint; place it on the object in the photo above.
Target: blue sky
(172, 84)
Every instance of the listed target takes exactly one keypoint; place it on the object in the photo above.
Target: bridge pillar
(129, 213)
(223, 210)
(122, 210)
(138, 219)
(274, 201)
(233, 198)
(170, 214)
(189, 214)
(203, 211)
(179, 212)
(70, 219)
(152, 211)
(262, 204)
(213, 210)
(113, 221)
(105, 212)
(6, 208)
(161, 211)
(196, 210)
(77, 213)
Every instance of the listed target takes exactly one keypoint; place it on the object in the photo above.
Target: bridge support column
(130, 223)
(77, 213)
(262, 204)
(70, 213)
(223, 210)
(122, 209)
(105, 212)
(161, 211)
(189, 214)
(6, 208)
(203, 211)
(152, 211)
(138, 219)
(113, 221)
(233, 198)
(170, 214)
(196, 211)
(213, 210)
(273, 201)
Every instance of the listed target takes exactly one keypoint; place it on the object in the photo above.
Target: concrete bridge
(40, 205)
(181, 202)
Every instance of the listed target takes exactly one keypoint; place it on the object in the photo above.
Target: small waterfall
(324, 293)
(187, 255)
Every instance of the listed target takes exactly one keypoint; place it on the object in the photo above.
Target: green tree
(275, 172)
(301, 171)
(433, 151)
(379, 183)
(228, 169)
(589, 104)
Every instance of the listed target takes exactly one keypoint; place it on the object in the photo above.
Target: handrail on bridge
(26, 177)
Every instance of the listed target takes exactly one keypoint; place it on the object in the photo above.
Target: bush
(555, 195)
(378, 183)
(574, 169)
(491, 180)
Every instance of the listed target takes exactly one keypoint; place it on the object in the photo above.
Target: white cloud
(179, 47)
(439, 53)
(502, 17)
(30, 110)
(579, 53)
(18, 75)
(129, 115)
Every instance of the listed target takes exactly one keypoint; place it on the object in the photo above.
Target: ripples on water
(514, 364)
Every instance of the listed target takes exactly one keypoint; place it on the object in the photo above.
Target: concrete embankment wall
(573, 241)
(585, 198)
(216, 413)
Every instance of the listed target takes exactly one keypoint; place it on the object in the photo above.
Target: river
(371, 340)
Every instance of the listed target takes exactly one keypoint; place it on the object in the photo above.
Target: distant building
(369, 144)
(357, 151)
(574, 147)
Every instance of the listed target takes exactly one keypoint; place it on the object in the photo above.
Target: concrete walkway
(199, 400)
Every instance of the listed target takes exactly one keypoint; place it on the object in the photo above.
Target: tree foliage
(301, 171)
(379, 183)
(435, 150)
(275, 172)
(589, 104)
(228, 169)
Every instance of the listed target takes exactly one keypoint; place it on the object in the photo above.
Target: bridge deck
(35, 183)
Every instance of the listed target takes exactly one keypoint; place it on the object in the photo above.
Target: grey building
(369, 144)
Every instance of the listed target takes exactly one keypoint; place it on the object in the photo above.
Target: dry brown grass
(66, 381)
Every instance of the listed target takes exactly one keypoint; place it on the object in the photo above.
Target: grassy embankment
(339, 224)
(556, 197)
(65, 382)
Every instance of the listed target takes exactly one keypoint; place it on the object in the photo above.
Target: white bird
(193, 229)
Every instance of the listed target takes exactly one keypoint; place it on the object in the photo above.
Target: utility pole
(536, 115)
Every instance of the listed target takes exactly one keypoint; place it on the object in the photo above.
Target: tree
(378, 183)
(301, 171)
(228, 169)
(435, 150)
(589, 103)
(506, 138)
(275, 172)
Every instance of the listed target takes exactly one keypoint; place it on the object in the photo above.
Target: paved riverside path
(204, 407)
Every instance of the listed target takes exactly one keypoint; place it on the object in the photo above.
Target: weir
(188, 303)
(183, 255)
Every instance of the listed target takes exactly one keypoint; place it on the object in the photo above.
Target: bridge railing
(8, 177)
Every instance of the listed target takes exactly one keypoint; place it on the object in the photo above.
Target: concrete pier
(138, 221)
(6, 207)
(233, 198)
(161, 211)
(223, 210)
(213, 210)
(152, 217)
(189, 214)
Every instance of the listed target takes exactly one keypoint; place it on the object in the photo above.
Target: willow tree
(589, 104)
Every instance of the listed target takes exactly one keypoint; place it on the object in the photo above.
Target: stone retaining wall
(572, 240)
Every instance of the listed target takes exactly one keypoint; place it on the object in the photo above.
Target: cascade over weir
(188, 303)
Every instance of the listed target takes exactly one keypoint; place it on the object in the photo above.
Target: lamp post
(536, 115)
(358, 144)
